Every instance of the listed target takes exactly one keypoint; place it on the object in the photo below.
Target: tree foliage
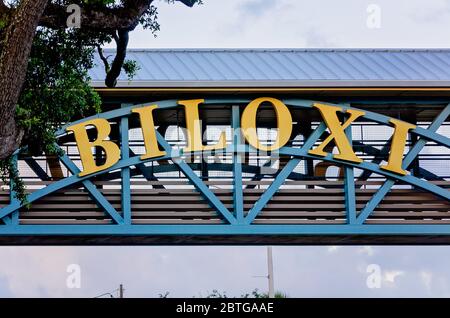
(56, 87)
(254, 294)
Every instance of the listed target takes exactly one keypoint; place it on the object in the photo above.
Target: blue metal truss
(235, 222)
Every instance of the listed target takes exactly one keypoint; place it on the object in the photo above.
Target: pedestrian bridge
(239, 194)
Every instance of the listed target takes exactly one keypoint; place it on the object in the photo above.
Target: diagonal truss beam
(383, 152)
(96, 195)
(197, 182)
(282, 176)
(409, 158)
(370, 150)
(67, 182)
(37, 169)
(147, 172)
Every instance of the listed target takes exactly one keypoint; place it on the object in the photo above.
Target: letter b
(112, 151)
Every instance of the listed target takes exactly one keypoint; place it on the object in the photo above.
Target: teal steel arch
(235, 221)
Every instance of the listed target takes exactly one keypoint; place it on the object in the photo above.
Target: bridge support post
(125, 172)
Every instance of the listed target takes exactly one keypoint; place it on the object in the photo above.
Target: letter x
(337, 132)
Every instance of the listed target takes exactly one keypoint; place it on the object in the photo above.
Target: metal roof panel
(234, 67)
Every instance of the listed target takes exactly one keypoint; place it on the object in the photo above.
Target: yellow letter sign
(148, 132)
(337, 132)
(398, 145)
(112, 151)
(194, 128)
(284, 123)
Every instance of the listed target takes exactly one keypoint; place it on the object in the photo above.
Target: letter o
(284, 123)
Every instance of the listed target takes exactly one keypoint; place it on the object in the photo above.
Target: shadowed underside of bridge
(313, 206)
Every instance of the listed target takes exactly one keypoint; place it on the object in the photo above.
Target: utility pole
(270, 272)
(121, 291)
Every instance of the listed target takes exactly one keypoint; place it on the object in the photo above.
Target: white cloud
(390, 276)
(368, 250)
(31, 272)
(333, 249)
(427, 279)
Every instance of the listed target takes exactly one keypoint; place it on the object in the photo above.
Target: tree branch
(103, 58)
(121, 19)
(121, 53)
(92, 17)
(124, 17)
(4, 9)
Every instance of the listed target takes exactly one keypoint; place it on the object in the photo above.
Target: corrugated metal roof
(284, 68)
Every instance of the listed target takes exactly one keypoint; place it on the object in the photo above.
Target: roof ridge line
(285, 49)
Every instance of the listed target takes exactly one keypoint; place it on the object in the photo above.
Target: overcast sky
(300, 23)
(299, 271)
